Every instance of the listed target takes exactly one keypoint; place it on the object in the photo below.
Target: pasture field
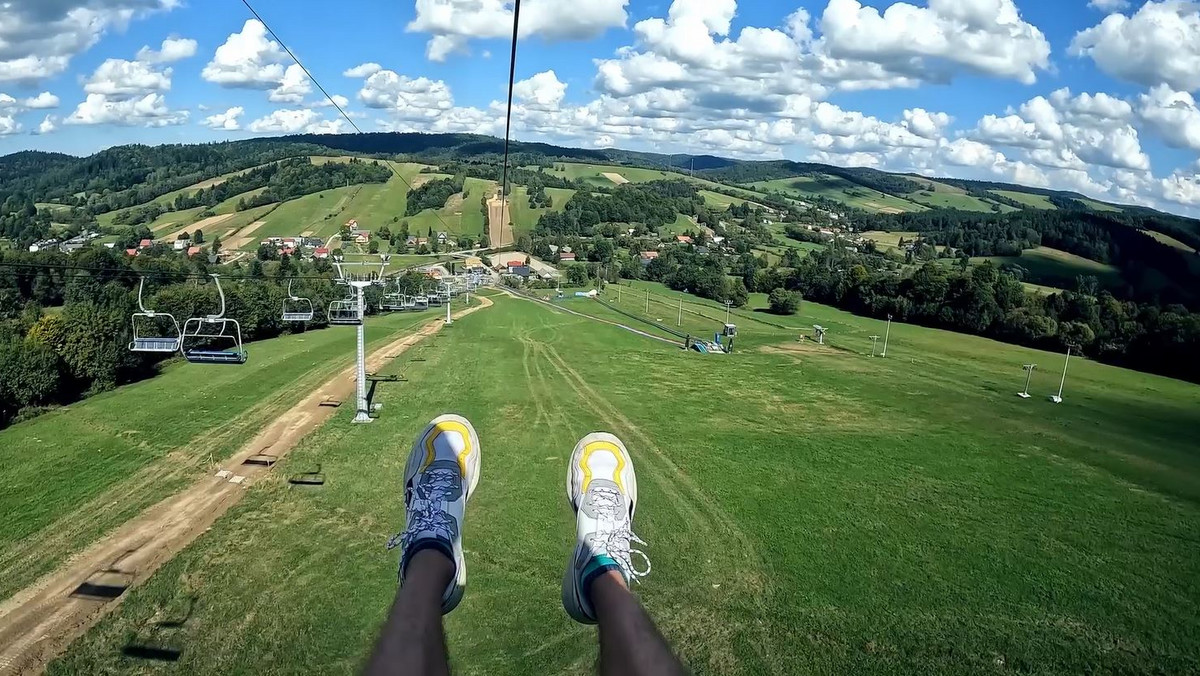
(1057, 268)
(808, 509)
(1028, 199)
(1098, 206)
(147, 440)
(1170, 241)
(961, 201)
(841, 190)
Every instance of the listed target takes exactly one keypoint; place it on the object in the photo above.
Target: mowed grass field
(808, 509)
(841, 190)
(1057, 268)
(72, 474)
(1028, 199)
(944, 196)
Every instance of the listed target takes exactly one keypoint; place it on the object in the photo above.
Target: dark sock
(428, 543)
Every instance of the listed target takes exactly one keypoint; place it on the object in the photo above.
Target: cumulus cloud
(341, 101)
(9, 125)
(38, 38)
(121, 79)
(47, 125)
(1109, 5)
(363, 70)
(454, 23)
(541, 91)
(42, 101)
(987, 37)
(173, 49)
(1159, 44)
(1173, 115)
(404, 97)
(147, 111)
(247, 59)
(226, 121)
(289, 121)
(294, 86)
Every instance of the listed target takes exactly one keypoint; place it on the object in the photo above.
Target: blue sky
(1094, 96)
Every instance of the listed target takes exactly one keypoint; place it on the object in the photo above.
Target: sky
(1094, 96)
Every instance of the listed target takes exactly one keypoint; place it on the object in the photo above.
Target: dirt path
(40, 622)
(615, 178)
(499, 233)
(244, 236)
(198, 225)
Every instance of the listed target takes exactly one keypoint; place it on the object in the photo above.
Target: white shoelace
(614, 536)
(425, 513)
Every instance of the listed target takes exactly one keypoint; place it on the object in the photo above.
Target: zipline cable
(512, 74)
(335, 103)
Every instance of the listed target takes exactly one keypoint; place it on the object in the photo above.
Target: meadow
(1057, 268)
(840, 190)
(808, 509)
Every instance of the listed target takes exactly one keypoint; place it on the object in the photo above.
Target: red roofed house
(683, 239)
(131, 252)
(287, 251)
(567, 257)
(321, 253)
(647, 256)
(192, 251)
(146, 244)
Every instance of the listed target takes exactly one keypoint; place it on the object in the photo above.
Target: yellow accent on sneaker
(441, 428)
(587, 470)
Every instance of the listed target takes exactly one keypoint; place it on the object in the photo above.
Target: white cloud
(38, 38)
(342, 102)
(604, 141)
(47, 125)
(248, 59)
(925, 124)
(293, 121)
(541, 91)
(9, 125)
(1181, 188)
(173, 49)
(363, 70)
(453, 23)
(226, 121)
(8, 104)
(42, 101)
(1109, 5)
(293, 88)
(121, 79)
(981, 36)
(1159, 44)
(1174, 115)
(406, 98)
(148, 111)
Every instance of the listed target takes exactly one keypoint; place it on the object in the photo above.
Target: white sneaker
(602, 489)
(441, 475)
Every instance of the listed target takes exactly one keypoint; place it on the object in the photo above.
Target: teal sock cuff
(597, 566)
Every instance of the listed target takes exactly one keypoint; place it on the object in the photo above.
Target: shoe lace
(614, 535)
(425, 511)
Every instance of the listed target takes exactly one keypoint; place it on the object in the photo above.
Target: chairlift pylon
(160, 344)
(301, 309)
(213, 328)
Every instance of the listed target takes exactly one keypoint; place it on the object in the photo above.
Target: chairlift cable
(335, 103)
(512, 73)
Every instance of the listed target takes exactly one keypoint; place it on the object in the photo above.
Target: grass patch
(1056, 268)
(1028, 199)
(840, 190)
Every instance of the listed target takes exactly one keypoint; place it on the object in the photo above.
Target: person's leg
(602, 489)
(440, 476)
(412, 641)
(629, 641)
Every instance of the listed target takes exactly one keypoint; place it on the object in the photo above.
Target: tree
(784, 302)
(184, 235)
(198, 237)
(373, 247)
(216, 245)
(577, 275)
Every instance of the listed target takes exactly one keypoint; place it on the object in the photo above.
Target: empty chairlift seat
(213, 339)
(296, 309)
(344, 313)
(153, 331)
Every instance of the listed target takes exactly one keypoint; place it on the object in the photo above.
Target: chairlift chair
(345, 312)
(296, 309)
(434, 299)
(209, 329)
(154, 343)
(421, 303)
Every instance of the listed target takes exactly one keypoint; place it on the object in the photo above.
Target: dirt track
(499, 232)
(40, 622)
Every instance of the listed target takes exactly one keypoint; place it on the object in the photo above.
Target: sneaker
(441, 475)
(602, 489)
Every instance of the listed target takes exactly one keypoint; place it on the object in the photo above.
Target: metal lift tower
(359, 283)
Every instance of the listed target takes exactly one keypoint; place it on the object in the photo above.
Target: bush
(784, 302)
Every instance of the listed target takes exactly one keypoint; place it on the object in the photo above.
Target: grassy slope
(197, 409)
(808, 510)
(1170, 241)
(1028, 199)
(1049, 266)
(1098, 206)
(841, 190)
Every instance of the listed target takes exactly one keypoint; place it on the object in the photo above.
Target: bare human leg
(630, 645)
(412, 641)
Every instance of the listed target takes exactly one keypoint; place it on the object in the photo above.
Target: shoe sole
(572, 595)
(416, 460)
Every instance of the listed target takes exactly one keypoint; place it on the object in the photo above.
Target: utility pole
(679, 322)
(874, 344)
(1028, 377)
(449, 302)
(728, 305)
(647, 301)
(363, 411)
(886, 336)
